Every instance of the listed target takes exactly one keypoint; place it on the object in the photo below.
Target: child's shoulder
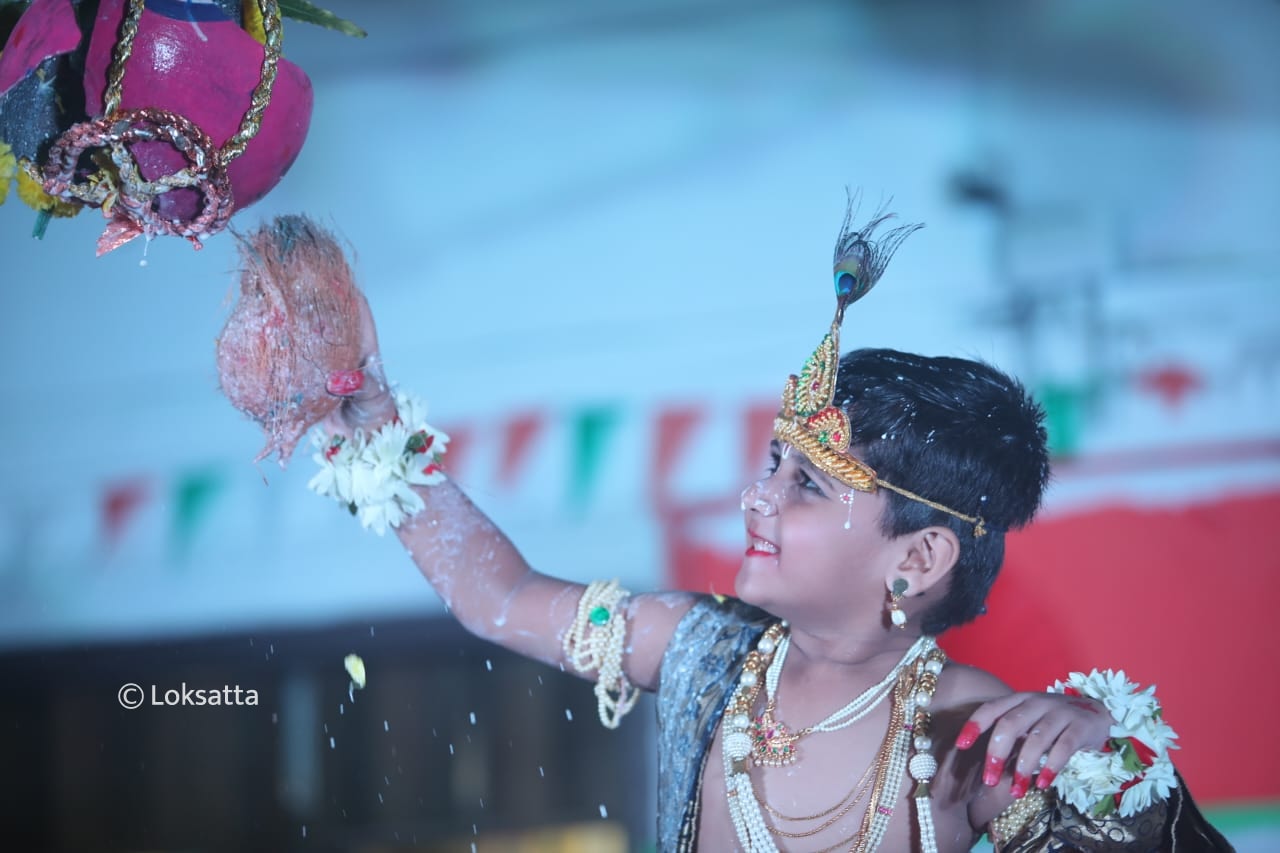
(961, 684)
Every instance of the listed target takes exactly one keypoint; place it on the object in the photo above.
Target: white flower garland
(1133, 771)
(373, 475)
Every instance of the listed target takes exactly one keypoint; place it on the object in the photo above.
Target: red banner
(1179, 597)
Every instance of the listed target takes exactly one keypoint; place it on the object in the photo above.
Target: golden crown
(808, 419)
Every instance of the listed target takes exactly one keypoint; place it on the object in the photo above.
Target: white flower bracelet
(373, 475)
(1132, 770)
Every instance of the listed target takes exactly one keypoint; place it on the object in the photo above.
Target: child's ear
(929, 559)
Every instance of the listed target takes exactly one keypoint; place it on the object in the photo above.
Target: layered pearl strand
(912, 682)
(595, 643)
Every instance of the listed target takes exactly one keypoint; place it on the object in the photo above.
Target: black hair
(957, 432)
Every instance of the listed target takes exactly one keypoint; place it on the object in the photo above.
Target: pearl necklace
(914, 679)
(774, 744)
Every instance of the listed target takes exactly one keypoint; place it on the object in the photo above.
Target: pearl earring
(896, 615)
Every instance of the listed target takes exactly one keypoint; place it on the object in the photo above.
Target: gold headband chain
(808, 421)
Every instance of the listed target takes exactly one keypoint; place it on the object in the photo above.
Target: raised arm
(475, 568)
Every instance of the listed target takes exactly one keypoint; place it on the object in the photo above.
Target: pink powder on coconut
(297, 321)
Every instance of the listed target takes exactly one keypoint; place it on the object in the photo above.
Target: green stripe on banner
(1066, 407)
(1233, 819)
(193, 495)
(591, 430)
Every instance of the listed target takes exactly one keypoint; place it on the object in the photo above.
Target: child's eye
(772, 467)
(808, 482)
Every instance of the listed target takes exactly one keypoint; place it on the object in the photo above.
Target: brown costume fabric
(296, 322)
(1172, 826)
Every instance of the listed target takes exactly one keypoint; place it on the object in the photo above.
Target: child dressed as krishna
(814, 710)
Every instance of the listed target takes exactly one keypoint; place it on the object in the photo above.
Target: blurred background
(596, 237)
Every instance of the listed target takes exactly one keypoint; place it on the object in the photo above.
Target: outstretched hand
(367, 401)
(1034, 734)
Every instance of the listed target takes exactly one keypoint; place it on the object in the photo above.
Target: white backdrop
(561, 205)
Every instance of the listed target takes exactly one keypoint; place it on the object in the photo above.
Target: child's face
(814, 550)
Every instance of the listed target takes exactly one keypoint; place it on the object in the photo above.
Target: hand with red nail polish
(968, 735)
(1020, 785)
(344, 383)
(1045, 778)
(367, 401)
(1032, 735)
(991, 773)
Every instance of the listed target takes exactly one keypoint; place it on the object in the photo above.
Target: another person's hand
(367, 401)
(1034, 735)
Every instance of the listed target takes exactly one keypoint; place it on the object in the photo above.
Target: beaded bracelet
(373, 474)
(595, 642)
(1132, 770)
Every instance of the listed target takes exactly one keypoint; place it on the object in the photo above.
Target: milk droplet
(451, 749)
(488, 664)
(568, 715)
(473, 718)
(331, 743)
(386, 727)
(304, 830)
(603, 811)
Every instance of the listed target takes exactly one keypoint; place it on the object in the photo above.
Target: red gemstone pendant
(772, 743)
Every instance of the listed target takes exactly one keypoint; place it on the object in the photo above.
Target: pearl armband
(595, 643)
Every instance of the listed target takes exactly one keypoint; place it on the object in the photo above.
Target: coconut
(296, 322)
